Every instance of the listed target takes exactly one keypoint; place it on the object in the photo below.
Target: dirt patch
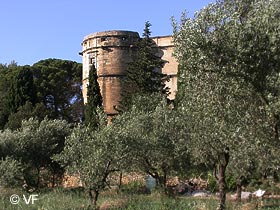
(249, 206)
(116, 204)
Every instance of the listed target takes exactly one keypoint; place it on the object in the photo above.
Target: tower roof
(111, 33)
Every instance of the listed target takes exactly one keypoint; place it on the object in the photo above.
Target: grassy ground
(74, 199)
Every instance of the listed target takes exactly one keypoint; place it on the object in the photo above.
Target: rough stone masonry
(111, 52)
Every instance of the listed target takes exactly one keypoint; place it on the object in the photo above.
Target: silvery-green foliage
(228, 75)
(34, 143)
(156, 135)
(7, 143)
(92, 154)
(38, 141)
(229, 79)
(228, 85)
(10, 172)
(10, 168)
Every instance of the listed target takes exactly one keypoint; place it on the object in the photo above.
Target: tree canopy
(52, 86)
(93, 155)
(229, 65)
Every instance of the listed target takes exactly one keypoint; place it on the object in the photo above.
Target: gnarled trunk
(222, 187)
(223, 162)
(161, 178)
(93, 194)
(238, 189)
(38, 177)
(120, 181)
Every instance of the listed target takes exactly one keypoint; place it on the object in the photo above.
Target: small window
(103, 39)
(92, 60)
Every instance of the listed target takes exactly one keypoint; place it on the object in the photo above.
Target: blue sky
(32, 30)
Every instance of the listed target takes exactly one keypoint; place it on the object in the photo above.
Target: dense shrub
(10, 172)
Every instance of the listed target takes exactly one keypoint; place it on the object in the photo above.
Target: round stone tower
(110, 52)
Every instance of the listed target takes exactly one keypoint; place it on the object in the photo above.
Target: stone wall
(171, 65)
(111, 52)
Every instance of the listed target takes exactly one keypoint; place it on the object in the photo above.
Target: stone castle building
(111, 52)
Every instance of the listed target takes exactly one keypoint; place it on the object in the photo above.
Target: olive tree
(155, 134)
(37, 142)
(228, 71)
(11, 172)
(93, 155)
(11, 169)
(31, 147)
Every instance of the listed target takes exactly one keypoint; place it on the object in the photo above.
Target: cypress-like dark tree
(8, 74)
(94, 99)
(144, 75)
(22, 89)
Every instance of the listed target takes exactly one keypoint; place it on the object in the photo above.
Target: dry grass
(115, 204)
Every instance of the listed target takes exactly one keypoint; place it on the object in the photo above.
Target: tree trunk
(93, 198)
(53, 179)
(222, 187)
(38, 177)
(238, 190)
(223, 162)
(275, 176)
(164, 180)
(155, 176)
(275, 129)
(120, 181)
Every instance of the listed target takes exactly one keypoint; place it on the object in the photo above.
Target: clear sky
(32, 30)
